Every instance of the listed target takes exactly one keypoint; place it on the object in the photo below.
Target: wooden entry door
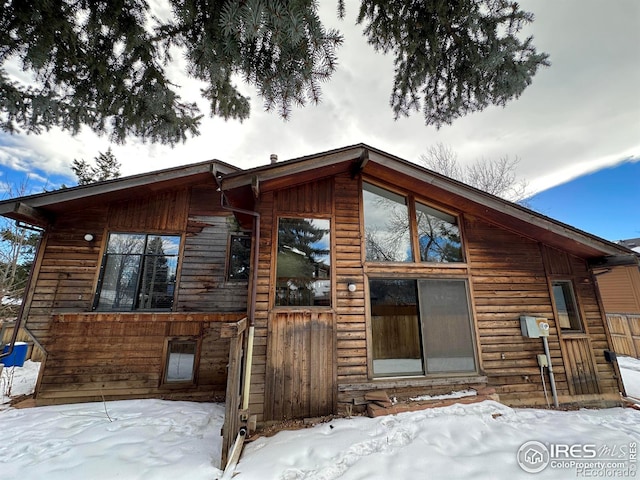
(300, 364)
(580, 366)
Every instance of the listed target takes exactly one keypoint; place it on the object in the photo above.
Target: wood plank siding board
(126, 355)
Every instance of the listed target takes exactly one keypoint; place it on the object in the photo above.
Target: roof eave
(11, 208)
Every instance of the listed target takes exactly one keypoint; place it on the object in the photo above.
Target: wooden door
(580, 367)
(300, 364)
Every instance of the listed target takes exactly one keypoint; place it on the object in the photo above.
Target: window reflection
(438, 235)
(386, 219)
(303, 267)
(566, 306)
(138, 272)
(181, 360)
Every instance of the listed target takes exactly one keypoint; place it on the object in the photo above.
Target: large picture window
(421, 327)
(389, 226)
(138, 272)
(303, 267)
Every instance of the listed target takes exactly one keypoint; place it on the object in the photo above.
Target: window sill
(178, 386)
(399, 382)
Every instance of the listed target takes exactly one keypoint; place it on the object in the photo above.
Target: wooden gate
(300, 364)
(625, 334)
(580, 367)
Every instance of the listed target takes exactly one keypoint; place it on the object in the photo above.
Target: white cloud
(580, 114)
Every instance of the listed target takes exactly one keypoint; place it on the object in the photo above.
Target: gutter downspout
(254, 287)
(27, 287)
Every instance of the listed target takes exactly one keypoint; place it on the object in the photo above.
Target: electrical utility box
(534, 327)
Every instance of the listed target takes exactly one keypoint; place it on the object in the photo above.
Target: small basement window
(180, 361)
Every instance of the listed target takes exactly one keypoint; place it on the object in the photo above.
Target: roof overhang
(41, 209)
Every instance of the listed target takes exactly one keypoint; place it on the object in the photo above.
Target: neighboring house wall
(620, 289)
(124, 354)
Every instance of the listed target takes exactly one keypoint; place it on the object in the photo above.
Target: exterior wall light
(351, 287)
(88, 237)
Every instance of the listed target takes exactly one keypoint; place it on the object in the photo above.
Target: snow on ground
(144, 440)
(157, 440)
(478, 441)
(630, 369)
(17, 381)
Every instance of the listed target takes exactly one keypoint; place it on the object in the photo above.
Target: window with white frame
(180, 361)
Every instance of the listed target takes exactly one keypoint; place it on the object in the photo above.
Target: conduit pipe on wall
(552, 379)
(254, 286)
(234, 455)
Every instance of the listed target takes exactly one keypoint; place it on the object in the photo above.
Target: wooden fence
(625, 333)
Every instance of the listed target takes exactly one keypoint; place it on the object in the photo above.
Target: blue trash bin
(17, 357)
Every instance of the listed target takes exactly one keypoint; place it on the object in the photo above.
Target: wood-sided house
(619, 287)
(357, 270)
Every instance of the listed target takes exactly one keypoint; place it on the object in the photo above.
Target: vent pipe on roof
(273, 158)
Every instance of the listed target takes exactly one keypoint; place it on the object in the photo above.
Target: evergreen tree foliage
(452, 57)
(106, 167)
(104, 63)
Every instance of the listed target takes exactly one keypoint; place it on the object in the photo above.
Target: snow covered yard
(17, 381)
(154, 439)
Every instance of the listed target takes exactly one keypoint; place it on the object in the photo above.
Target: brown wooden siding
(508, 280)
(313, 198)
(165, 211)
(66, 270)
(620, 290)
(203, 283)
(351, 326)
(118, 356)
(263, 289)
(94, 354)
(581, 370)
(509, 276)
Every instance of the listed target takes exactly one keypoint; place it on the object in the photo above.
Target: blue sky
(605, 203)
